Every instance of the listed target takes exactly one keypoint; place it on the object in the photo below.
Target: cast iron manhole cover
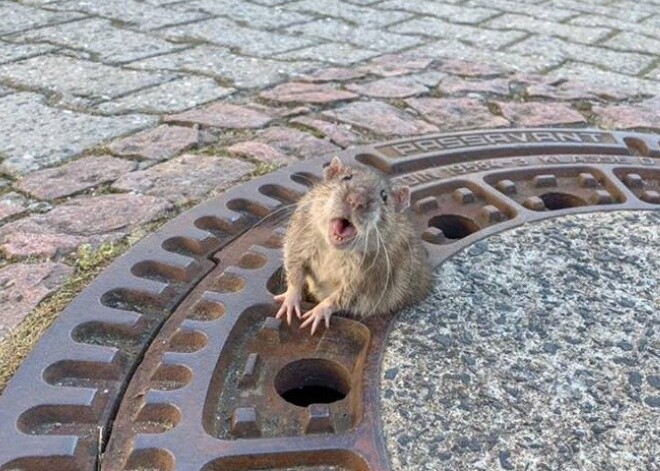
(172, 357)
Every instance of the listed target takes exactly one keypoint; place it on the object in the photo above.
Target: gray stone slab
(452, 48)
(104, 39)
(169, 97)
(5, 90)
(137, 14)
(35, 135)
(364, 16)
(256, 16)
(601, 78)
(12, 52)
(453, 13)
(533, 352)
(333, 53)
(77, 78)
(244, 72)
(628, 41)
(579, 34)
(624, 24)
(555, 14)
(632, 11)
(17, 17)
(558, 49)
(479, 37)
(375, 39)
(225, 32)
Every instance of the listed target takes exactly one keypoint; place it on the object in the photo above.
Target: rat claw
(279, 298)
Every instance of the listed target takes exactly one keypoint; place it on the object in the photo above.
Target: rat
(351, 246)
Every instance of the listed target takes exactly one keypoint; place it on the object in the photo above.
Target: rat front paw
(321, 312)
(290, 304)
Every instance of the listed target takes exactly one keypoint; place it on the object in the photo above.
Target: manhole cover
(171, 358)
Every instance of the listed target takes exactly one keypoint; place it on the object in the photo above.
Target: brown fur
(371, 275)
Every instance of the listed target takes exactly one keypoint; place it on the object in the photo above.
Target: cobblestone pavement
(119, 113)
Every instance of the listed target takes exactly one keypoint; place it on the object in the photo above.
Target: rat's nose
(356, 200)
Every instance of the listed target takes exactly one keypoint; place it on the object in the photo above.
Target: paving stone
(533, 25)
(74, 177)
(610, 80)
(292, 141)
(228, 33)
(244, 72)
(541, 12)
(452, 48)
(17, 17)
(12, 52)
(430, 78)
(340, 134)
(261, 152)
(380, 118)
(539, 114)
(103, 39)
(81, 220)
(334, 53)
(136, 14)
(391, 65)
(478, 36)
(257, 16)
(78, 78)
(169, 97)
(160, 143)
(390, 87)
(5, 90)
(376, 39)
(12, 204)
(633, 42)
(646, 116)
(623, 24)
(571, 90)
(301, 92)
(23, 286)
(453, 13)
(623, 62)
(333, 74)
(456, 113)
(31, 242)
(453, 85)
(470, 69)
(226, 115)
(35, 135)
(186, 179)
(633, 11)
(654, 74)
(368, 17)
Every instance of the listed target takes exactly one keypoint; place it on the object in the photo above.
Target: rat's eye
(346, 177)
(383, 194)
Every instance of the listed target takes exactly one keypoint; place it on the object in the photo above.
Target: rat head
(359, 206)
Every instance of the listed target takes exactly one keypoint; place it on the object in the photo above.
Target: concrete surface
(537, 350)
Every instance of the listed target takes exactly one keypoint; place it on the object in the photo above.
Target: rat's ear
(401, 196)
(334, 168)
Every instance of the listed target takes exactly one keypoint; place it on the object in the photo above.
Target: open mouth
(342, 231)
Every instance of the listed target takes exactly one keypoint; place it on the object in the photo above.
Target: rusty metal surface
(173, 358)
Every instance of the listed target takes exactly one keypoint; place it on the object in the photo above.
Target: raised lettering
(497, 138)
(544, 136)
(405, 148)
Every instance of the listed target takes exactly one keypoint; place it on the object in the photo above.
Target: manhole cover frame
(66, 391)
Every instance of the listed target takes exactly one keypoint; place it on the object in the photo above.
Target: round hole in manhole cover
(175, 344)
(454, 226)
(312, 381)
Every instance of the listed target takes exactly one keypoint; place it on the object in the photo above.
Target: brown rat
(352, 244)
